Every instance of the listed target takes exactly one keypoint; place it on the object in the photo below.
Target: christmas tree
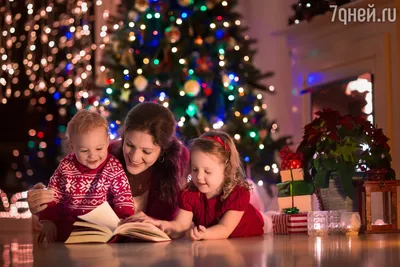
(193, 57)
(46, 65)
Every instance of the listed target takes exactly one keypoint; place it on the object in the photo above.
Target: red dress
(209, 212)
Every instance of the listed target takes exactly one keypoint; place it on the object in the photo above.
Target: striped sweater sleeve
(53, 210)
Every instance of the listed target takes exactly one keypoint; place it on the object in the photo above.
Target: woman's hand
(137, 217)
(38, 196)
(49, 232)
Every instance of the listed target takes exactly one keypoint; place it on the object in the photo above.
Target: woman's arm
(221, 230)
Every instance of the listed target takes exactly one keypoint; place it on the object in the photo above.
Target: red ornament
(92, 99)
(207, 91)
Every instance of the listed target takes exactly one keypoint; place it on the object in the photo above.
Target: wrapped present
(290, 160)
(297, 188)
(303, 203)
(287, 224)
(292, 175)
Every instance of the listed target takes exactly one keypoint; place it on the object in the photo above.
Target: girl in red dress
(217, 197)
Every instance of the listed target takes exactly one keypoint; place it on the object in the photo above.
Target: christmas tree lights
(193, 57)
(46, 62)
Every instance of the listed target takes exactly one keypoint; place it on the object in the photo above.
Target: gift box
(292, 175)
(287, 224)
(303, 203)
(296, 188)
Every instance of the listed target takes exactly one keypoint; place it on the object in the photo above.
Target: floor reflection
(18, 248)
(16, 254)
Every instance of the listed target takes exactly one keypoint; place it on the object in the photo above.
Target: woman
(154, 160)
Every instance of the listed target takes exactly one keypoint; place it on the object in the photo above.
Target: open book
(101, 226)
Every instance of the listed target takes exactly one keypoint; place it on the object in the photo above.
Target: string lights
(46, 62)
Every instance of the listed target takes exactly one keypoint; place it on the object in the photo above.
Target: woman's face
(140, 151)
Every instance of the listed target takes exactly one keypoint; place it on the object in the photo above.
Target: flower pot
(376, 174)
(335, 198)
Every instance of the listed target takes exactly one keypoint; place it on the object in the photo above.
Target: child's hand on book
(49, 231)
(198, 233)
(137, 217)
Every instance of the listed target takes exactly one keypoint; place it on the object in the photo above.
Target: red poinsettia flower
(360, 120)
(330, 117)
(334, 136)
(380, 138)
(366, 125)
(347, 121)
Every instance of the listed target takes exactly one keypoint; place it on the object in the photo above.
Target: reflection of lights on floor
(17, 254)
(362, 85)
(318, 248)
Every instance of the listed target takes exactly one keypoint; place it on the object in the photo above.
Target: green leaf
(321, 179)
(346, 172)
(317, 164)
(330, 164)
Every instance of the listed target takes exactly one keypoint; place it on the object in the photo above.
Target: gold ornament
(115, 46)
(210, 4)
(142, 5)
(198, 40)
(173, 34)
(225, 79)
(125, 93)
(185, 2)
(133, 15)
(127, 59)
(191, 87)
(140, 83)
(231, 42)
(210, 39)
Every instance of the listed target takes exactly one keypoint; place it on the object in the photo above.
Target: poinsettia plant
(339, 144)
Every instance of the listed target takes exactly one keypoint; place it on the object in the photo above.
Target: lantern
(378, 206)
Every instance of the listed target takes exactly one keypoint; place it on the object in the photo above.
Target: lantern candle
(351, 223)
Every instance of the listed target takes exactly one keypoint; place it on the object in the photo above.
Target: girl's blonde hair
(84, 121)
(221, 145)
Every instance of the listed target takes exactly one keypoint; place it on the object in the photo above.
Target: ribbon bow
(290, 160)
(218, 140)
(293, 210)
(287, 154)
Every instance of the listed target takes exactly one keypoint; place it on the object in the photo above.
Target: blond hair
(225, 150)
(84, 121)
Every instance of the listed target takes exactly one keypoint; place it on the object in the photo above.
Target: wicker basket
(335, 198)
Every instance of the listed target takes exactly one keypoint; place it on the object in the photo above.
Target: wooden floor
(17, 248)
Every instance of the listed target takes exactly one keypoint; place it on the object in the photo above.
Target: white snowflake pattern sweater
(78, 190)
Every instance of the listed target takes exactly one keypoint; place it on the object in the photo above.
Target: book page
(102, 215)
(87, 226)
(142, 230)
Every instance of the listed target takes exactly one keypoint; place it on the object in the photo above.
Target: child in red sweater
(85, 178)
(217, 199)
